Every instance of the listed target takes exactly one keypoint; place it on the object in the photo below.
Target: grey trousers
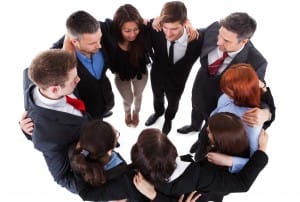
(131, 92)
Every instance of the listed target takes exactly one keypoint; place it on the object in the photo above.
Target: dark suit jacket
(206, 89)
(53, 133)
(203, 178)
(172, 78)
(96, 94)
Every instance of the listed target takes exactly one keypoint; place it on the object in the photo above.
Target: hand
(192, 33)
(68, 46)
(262, 86)
(26, 124)
(193, 196)
(220, 159)
(145, 21)
(263, 140)
(256, 116)
(145, 187)
(156, 24)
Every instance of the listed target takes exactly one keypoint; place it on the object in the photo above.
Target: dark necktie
(213, 67)
(76, 103)
(171, 53)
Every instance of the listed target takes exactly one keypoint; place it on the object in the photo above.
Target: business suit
(53, 133)
(96, 93)
(202, 177)
(206, 89)
(169, 79)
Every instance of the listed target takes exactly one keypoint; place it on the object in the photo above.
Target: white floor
(27, 27)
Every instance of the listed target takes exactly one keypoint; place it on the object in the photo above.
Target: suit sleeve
(268, 101)
(115, 189)
(242, 181)
(59, 167)
(58, 44)
(26, 86)
(208, 177)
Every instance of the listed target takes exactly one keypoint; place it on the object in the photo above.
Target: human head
(54, 72)
(154, 156)
(93, 150)
(127, 23)
(84, 32)
(236, 30)
(241, 83)
(227, 134)
(172, 18)
(127, 27)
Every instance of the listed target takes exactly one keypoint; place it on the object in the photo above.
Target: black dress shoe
(167, 127)
(107, 114)
(194, 147)
(151, 120)
(187, 129)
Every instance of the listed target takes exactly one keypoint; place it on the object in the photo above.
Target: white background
(28, 27)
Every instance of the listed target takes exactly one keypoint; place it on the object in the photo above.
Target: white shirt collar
(233, 54)
(57, 105)
(46, 102)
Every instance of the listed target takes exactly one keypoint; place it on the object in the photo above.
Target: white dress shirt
(58, 105)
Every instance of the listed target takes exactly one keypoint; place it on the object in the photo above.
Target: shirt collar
(233, 54)
(49, 102)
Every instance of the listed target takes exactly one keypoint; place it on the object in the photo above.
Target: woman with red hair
(241, 92)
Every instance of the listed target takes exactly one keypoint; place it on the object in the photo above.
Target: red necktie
(213, 68)
(76, 103)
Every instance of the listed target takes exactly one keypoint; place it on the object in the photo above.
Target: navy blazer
(53, 133)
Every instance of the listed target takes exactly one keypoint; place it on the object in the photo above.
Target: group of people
(67, 95)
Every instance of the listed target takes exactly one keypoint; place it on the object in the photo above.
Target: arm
(191, 31)
(234, 163)
(206, 177)
(147, 189)
(26, 123)
(116, 189)
(58, 44)
(265, 115)
(243, 180)
(59, 167)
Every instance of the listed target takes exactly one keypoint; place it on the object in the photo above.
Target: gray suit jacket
(206, 89)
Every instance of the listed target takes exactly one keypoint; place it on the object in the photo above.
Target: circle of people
(67, 95)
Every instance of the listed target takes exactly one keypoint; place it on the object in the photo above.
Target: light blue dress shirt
(225, 104)
(94, 65)
(113, 162)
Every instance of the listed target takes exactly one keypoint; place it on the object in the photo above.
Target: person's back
(93, 156)
(170, 175)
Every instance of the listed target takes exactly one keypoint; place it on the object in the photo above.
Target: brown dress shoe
(128, 120)
(135, 118)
